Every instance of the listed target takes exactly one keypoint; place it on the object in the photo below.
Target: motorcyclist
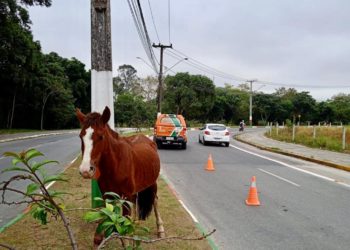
(241, 125)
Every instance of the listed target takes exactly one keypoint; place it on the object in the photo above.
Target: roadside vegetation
(41, 91)
(75, 202)
(329, 138)
(16, 131)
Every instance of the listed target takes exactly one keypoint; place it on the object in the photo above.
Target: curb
(35, 136)
(322, 162)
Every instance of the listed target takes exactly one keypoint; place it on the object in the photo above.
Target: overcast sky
(292, 43)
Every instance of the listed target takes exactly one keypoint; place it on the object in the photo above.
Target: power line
(155, 28)
(210, 70)
(169, 20)
(136, 12)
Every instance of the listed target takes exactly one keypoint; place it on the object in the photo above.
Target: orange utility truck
(170, 129)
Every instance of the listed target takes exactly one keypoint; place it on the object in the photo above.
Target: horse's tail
(145, 200)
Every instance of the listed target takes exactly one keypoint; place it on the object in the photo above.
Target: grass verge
(329, 138)
(16, 131)
(29, 234)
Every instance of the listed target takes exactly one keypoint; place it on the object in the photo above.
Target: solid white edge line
(51, 183)
(279, 177)
(292, 167)
(188, 211)
(172, 187)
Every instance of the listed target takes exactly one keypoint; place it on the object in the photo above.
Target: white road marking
(188, 211)
(279, 177)
(292, 167)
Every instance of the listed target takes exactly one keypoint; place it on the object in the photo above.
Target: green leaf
(36, 166)
(109, 231)
(15, 161)
(31, 153)
(98, 199)
(109, 207)
(31, 188)
(15, 169)
(53, 178)
(121, 219)
(104, 226)
(12, 154)
(55, 193)
(106, 212)
(93, 216)
(114, 195)
(120, 229)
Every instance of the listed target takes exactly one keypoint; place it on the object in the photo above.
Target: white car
(214, 133)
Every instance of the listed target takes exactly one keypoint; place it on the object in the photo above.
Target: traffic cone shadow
(252, 199)
(210, 164)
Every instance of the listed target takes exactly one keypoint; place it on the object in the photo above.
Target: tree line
(41, 91)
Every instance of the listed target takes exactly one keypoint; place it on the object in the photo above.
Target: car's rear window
(169, 120)
(217, 127)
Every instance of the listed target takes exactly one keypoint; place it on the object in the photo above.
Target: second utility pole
(160, 76)
(251, 102)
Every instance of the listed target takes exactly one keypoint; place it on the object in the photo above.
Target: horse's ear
(105, 115)
(80, 115)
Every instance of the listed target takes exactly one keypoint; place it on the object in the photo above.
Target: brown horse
(128, 166)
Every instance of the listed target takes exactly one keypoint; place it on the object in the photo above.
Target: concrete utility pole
(251, 102)
(101, 68)
(160, 76)
(101, 58)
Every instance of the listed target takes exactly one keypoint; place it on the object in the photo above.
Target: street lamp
(183, 59)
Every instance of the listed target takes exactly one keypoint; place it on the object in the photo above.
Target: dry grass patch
(329, 138)
(29, 234)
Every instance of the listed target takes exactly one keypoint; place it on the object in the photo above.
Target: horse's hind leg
(159, 221)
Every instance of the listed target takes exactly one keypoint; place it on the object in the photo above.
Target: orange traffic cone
(252, 199)
(210, 164)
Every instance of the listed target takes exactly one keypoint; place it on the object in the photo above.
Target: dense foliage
(41, 91)
(37, 90)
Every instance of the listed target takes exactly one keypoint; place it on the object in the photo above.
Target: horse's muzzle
(88, 174)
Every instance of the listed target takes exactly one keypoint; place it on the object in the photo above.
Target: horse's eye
(101, 137)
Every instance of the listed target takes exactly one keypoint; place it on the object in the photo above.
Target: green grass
(329, 138)
(16, 131)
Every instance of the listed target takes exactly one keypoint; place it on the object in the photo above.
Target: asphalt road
(63, 148)
(300, 207)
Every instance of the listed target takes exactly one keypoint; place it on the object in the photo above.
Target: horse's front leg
(159, 221)
(98, 238)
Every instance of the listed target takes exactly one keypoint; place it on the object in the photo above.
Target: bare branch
(115, 235)
(7, 246)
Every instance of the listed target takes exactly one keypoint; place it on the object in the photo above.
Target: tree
(18, 55)
(341, 106)
(231, 105)
(126, 81)
(149, 86)
(132, 110)
(190, 95)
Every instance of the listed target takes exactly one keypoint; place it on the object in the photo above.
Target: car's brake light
(207, 132)
(227, 133)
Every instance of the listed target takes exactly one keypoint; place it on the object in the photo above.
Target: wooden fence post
(277, 128)
(344, 137)
(314, 133)
(293, 135)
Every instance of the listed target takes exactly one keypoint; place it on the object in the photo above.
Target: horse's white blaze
(85, 164)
